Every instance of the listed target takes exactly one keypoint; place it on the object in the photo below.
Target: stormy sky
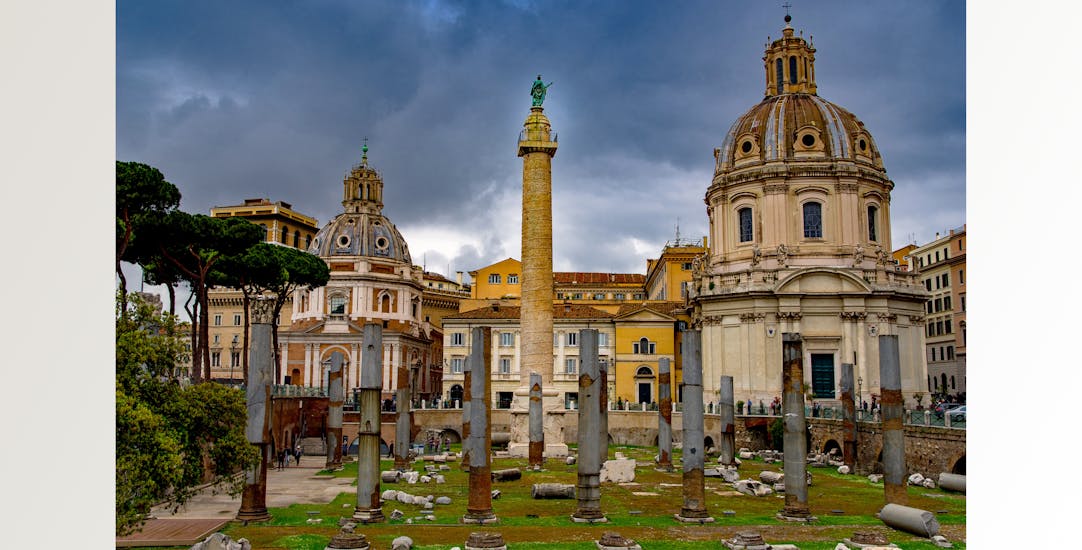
(235, 100)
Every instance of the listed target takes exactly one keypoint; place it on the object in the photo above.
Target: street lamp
(860, 385)
(232, 359)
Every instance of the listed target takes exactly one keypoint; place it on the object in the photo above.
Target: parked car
(957, 414)
(943, 407)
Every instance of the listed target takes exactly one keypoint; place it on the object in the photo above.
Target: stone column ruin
(253, 504)
(537, 423)
(664, 417)
(368, 508)
(334, 412)
(727, 414)
(890, 386)
(694, 506)
(796, 445)
(589, 460)
(402, 422)
(467, 407)
(479, 504)
(849, 418)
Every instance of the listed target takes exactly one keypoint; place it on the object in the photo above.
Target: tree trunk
(204, 329)
(172, 299)
(193, 311)
(123, 291)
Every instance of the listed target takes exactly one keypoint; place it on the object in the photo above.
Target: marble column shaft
(537, 423)
(890, 385)
(795, 426)
(368, 508)
(664, 417)
(588, 488)
(849, 418)
(727, 414)
(694, 505)
(402, 423)
(467, 407)
(479, 503)
(253, 505)
(336, 397)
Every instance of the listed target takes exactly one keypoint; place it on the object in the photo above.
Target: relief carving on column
(858, 256)
(788, 315)
(756, 255)
(710, 320)
(752, 317)
(262, 310)
(783, 255)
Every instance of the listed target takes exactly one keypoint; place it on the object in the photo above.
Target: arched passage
(708, 442)
(832, 444)
(456, 393)
(451, 435)
(959, 466)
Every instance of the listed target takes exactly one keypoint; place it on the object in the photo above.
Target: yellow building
(668, 277)
(283, 226)
(442, 297)
(645, 333)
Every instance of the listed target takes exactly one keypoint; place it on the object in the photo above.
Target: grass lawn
(642, 511)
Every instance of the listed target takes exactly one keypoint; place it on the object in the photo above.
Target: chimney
(458, 278)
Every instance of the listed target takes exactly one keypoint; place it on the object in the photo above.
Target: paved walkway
(294, 484)
(207, 512)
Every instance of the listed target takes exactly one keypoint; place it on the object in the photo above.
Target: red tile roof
(559, 311)
(584, 278)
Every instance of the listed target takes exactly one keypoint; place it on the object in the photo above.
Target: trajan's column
(536, 146)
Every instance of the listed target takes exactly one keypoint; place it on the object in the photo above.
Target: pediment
(822, 281)
(645, 315)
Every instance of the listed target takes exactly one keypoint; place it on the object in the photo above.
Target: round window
(746, 147)
(808, 140)
(863, 145)
(381, 243)
(343, 241)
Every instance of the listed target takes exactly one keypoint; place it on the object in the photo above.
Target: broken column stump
(552, 490)
(890, 383)
(485, 541)
(664, 416)
(694, 506)
(253, 505)
(796, 446)
(588, 488)
(479, 504)
(368, 508)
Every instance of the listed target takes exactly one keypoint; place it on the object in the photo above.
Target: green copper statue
(538, 91)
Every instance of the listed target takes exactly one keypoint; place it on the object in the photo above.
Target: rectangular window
(686, 266)
(217, 338)
(494, 278)
(963, 302)
(338, 305)
(961, 276)
(571, 400)
(931, 354)
(599, 296)
(236, 319)
(505, 365)
(215, 359)
(572, 339)
(512, 279)
(602, 339)
(638, 296)
(937, 255)
(570, 364)
(946, 280)
(928, 284)
(651, 348)
(507, 339)
(937, 280)
(503, 399)
(217, 319)
(947, 303)
(930, 329)
(456, 365)
(939, 328)
(618, 296)
(635, 347)
(950, 352)
(234, 359)
(813, 220)
(458, 339)
(938, 304)
(746, 232)
(559, 295)
(555, 339)
(576, 296)
(929, 306)
(947, 327)
(960, 247)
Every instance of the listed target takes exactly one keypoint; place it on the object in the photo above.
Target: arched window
(385, 304)
(307, 241)
(285, 233)
(644, 371)
(952, 382)
(746, 232)
(813, 220)
(296, 239)
(873, 213)
(943, 381)
(780, 75)
(792, 69)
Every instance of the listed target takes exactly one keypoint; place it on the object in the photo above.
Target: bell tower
(363, 187)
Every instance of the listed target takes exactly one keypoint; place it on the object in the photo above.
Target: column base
(795, 516)
(692, 516)
(368, 516)
(522, 450)
(588, 518)
(480, 519)
(253, 515)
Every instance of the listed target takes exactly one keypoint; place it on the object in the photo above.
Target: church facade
(799, 211)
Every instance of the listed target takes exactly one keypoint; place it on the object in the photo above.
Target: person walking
(297, 454)
(281, 459)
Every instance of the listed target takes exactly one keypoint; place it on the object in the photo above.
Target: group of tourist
(287, 456)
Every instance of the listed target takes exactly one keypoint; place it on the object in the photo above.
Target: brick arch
(708, 442)
(831, 444)
(957, 463)
(451, 434)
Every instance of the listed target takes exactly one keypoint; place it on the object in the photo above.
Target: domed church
(799, 211)
(372, 279)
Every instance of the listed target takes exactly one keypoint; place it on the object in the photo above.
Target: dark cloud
(246, 99)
